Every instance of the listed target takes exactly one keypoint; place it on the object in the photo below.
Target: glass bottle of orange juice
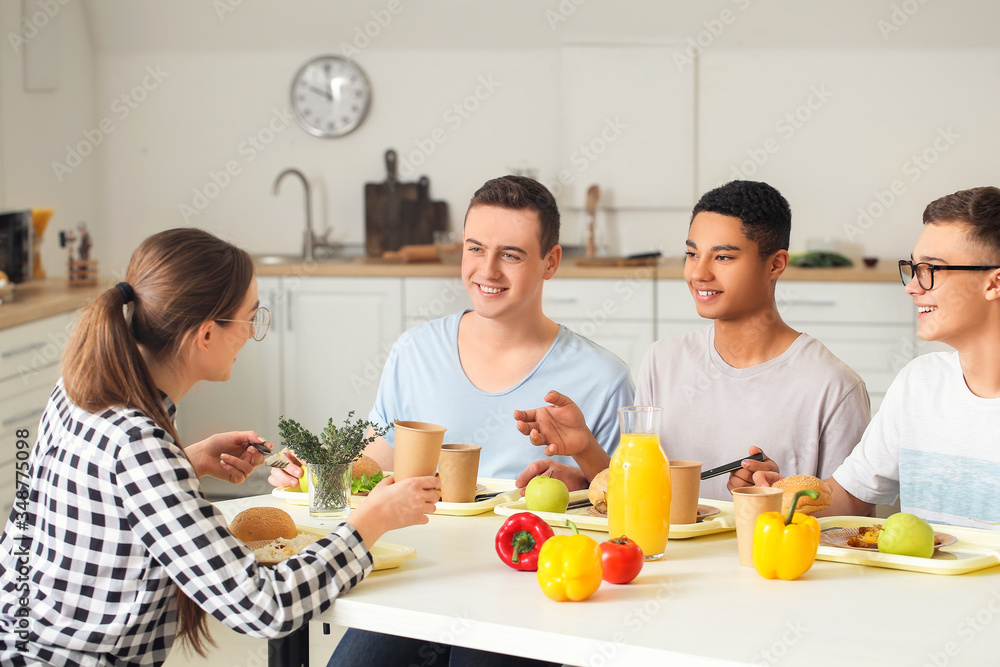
(639, 482)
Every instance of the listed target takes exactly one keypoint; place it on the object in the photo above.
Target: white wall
(36, 127)
(221, 78)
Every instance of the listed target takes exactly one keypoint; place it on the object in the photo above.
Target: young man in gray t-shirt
(749, 382)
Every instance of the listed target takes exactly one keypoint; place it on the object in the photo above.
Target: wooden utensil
(383, 210)
(421, 217)
(593, 194)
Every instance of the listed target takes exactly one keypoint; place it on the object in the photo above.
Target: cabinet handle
(21, 350)
(561, 299)
(288, 308)
(807, 302)
(34, 412)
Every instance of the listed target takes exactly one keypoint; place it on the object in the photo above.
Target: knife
(730, 467)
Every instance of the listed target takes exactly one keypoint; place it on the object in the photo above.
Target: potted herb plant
(329, 457)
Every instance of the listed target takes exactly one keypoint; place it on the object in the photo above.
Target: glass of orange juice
(639, 482)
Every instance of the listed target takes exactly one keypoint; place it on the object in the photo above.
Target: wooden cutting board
(384, 225)
(423, 217)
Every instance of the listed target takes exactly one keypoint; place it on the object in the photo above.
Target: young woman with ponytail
(114, 551)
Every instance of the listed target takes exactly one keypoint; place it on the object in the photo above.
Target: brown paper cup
(685, 482)
(417, 448)
(749, 502)
(459, 471)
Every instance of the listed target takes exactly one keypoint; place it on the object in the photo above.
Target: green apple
(907, 535)
(304, 480)
(546, 494)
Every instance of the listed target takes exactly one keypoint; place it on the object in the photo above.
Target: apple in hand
(304, 480)
(546, 494)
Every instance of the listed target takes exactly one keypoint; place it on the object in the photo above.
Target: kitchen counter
(38, 299)
(666, 269)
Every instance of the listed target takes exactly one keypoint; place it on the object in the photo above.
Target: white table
(696, 606)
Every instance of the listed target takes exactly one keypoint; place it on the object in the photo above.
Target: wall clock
(330, 96)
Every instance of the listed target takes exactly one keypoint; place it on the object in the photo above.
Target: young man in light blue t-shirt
(470, 371)
(935, 441)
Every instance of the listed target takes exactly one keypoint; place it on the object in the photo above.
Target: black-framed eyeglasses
(925, 272)
(259, 323)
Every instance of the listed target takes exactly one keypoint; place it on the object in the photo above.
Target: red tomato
(621, 559)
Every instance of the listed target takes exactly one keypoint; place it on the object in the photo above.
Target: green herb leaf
(334, 445)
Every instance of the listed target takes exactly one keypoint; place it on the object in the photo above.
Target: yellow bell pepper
(569, 567)
(785, 547)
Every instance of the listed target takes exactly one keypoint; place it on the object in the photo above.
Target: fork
(270, 459)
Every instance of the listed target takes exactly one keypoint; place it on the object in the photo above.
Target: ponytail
(177, 280)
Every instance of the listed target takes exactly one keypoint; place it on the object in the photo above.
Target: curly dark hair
(518, 193)
(765, 214)
(979, 208)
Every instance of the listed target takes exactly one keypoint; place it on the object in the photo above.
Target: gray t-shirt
(806, 409)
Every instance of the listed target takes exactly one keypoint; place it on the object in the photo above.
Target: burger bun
(806, 505)
(365, 465)
(263, 523)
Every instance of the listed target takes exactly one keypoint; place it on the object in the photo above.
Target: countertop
(569, 268)
(38, 299)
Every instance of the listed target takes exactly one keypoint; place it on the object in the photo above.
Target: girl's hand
(226, 456)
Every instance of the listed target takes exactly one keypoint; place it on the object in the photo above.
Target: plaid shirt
(114, 522)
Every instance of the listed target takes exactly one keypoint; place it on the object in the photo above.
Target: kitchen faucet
(310, 240)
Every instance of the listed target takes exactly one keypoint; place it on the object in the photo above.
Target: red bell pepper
(520, 539)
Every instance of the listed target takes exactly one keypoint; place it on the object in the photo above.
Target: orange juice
(639, 493)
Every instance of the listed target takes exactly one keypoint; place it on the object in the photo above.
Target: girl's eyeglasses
(259, 323)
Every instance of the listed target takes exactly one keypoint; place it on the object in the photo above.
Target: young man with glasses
(935, 442)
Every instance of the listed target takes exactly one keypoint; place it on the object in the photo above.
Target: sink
(277, 259)
(344, 252)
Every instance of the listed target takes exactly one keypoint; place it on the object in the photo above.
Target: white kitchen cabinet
(867, 325)
(337, 336)
(614, 313)
(427, 299)
(30, 357)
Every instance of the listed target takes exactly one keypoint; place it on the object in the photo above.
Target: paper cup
(685, 482)
(459, 471)
(417, 449)
(749, 502)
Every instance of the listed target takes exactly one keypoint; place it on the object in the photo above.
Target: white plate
(385, 555)
(290, 497)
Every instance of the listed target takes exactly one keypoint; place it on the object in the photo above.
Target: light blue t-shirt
(423, 380)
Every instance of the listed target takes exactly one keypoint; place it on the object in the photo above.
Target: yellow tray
(455, 509)
(718, 523)
(975, 549)
(385, 555)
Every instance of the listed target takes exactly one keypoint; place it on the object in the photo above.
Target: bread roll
(806, 505)
(263, 523)
(366, 465)
(599, 491)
